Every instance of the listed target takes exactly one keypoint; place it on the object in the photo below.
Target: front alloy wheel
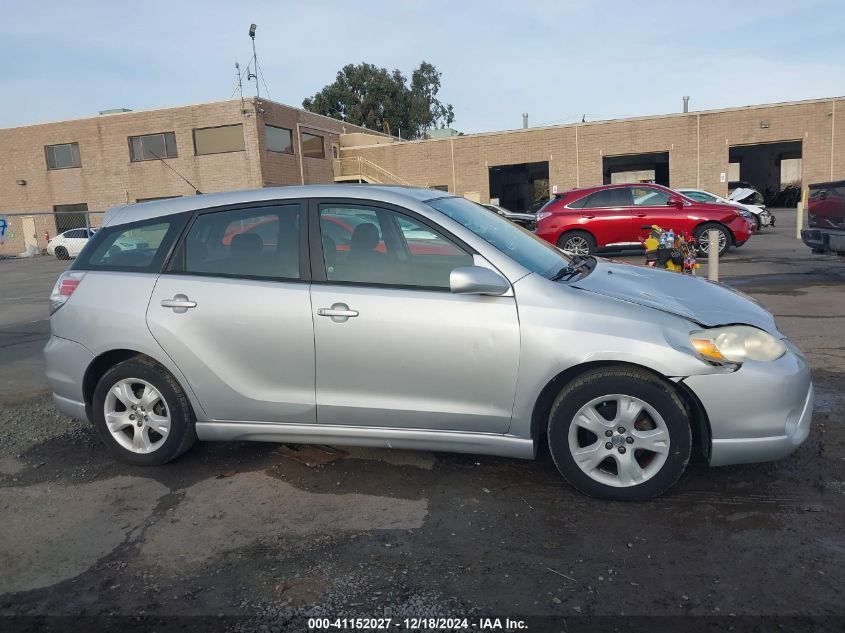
(620, 433)
(619, 440)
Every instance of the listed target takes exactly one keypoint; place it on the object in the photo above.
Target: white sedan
(69, 244)
(762, 216)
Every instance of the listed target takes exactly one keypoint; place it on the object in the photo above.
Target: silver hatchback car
(411, 318)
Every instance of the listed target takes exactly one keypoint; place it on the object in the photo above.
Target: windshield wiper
(578, 264)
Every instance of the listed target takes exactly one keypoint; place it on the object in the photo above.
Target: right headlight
(736, 344)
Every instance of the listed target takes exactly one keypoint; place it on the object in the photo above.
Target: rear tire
(646, 457)
(61, 253)
(577, 243)
(142, 414)
(702, 239)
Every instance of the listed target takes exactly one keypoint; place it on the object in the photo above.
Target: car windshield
(520, 245)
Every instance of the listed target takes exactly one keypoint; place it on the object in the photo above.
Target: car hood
(695, 298)
(741, 193)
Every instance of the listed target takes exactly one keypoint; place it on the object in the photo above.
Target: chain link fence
(28, 235)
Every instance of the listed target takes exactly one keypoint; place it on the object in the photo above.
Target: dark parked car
(581, 221)
(826, 217)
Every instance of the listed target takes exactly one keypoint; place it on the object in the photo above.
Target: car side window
(379, 246)
(649, 197)
(615, 197)
(75, 233)
(700, 196)
(139, 247)
(256, 242)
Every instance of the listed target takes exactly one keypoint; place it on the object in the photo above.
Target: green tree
(375, 98)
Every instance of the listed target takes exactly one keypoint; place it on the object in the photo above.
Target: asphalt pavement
(250, 532)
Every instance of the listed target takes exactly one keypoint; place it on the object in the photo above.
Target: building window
(440, 187)
(152, 146)
(278, 139)
(218, 140)
(62, 156)
(312, 146)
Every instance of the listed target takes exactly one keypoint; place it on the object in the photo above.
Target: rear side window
(617, 197)
(135, 247)
(259, 242)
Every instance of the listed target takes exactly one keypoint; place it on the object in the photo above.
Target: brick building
(58, 171)
(96, 163)
(769, 146)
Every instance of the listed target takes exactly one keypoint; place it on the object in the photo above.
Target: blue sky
(555, 60)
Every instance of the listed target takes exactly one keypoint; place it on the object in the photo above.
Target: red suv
(582, 221)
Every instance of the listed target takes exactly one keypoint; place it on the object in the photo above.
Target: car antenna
(173, 169)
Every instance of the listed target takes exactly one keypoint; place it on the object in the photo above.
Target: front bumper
(67, 362)
(759, 413)
(741, 230)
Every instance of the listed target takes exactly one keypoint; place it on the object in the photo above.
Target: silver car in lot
(411, 319)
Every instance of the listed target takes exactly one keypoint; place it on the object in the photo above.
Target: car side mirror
(674, 201)
(476, 280)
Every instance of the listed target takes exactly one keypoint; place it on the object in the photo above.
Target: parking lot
(250, 530)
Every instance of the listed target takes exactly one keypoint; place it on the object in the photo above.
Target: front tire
(577, 243)
(620, 433)
(702, 238)
(142, 414)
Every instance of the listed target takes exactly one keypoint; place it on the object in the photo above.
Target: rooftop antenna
(253, 75)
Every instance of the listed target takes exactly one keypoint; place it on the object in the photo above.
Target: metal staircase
(360, 169)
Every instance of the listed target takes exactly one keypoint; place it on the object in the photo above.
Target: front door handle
(179, 303)
(641, 215)
(588, 217)
(339, 312)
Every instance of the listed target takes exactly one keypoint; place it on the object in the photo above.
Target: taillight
(542, 215)
(65, 286)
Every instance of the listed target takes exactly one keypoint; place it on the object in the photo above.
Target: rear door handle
(179, 303)
(588, 217)
(339, 312)
(641, 215)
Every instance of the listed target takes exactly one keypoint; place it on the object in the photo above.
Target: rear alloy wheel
(61, 253)
(619, 433)
(702, 238)
(142, 414)
(577, 243)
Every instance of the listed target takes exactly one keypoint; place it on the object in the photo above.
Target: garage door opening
(773, 169)
(522, 187)
(652, 167)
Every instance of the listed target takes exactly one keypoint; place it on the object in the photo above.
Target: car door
(607, 215)
(233, 311)
(394, 347)
(651, 207)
